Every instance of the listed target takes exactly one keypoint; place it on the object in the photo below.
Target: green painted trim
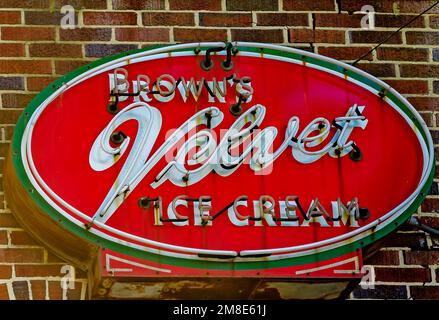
(206, 264)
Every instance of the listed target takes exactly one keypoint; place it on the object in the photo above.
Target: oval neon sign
(184, 157)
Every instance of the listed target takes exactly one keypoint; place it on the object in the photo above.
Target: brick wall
(34, 51)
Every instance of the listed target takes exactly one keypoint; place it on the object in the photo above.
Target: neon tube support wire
(413, 221)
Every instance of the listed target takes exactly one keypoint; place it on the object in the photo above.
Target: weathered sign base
(124, 277)
(223, 288)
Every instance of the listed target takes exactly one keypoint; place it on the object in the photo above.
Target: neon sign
(242, 159)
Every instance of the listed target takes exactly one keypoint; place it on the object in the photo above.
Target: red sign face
(282, 158)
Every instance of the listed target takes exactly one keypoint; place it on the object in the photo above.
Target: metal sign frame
(283, 257)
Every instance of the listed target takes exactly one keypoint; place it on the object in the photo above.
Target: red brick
(375, 37)
(434, 138)
(12, 49)
(338, 20)
(10, 17)
(44, 17)
(38, 288)
(186, 34)
(45, 270)
(138, 4)
(20, 238)
(14, 100)
(14, 255)
(425, 104)
(345, 53)
(252, 5)
(421, 37)
(419, 70)
(65, 66)
(402, 54)
(378, 69)
(75, 294)
(406, 240)
(424, 292)
(21, 290)
(409, 6)
(38, 83)
(38, 270)
(55, 50)
(4, 148)
(307, 5)
(396, 21)
(168, 19)
(85, 34)
(282, 19)
(211, 5)
(356, 5)
(82, 4)
(4, 295)
(5, 272)
(7, 220)
(403, 274)
(99, 50)
(3, 237)
(384, 257)
(409, 86)
(46, 4)
(28, 33)
(434, 22)
(110, 18)
(423, 258)
(225, 19)
(26, 4)
(430, 221)
(430, 205)
(142, 34)
(25, 66)
(56, 291)
(316, 36)
(254, 35)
